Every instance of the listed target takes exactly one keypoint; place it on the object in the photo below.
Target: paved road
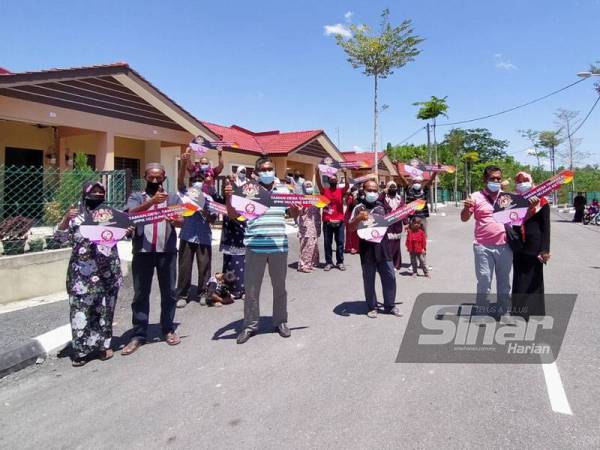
(333, 384)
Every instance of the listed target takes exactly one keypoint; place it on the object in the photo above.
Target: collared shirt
(196, 228)
(487, 230)
(334, 211)
(157, 237)
(266, 234)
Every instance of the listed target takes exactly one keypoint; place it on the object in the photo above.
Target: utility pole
(429, 151)
(337, 129)
(553, 168)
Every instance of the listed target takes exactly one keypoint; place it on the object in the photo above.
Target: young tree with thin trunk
(379, 54)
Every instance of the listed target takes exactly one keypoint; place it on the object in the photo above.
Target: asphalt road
(334, 383)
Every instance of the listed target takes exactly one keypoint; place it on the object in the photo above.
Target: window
(132, 164)
(249, 169)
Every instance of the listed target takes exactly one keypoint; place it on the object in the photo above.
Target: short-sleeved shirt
(487, 230)
(196, 228)
(157, 237)
(335, 210)
(266, 234)
(372, 252)
(421, 194)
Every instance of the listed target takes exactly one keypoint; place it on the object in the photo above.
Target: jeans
(187, 253)
(255, 271)
(142, 271)
(490, 259)
(388, 283)
(329, 232)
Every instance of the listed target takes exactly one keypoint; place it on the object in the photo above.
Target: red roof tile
(267, 142)
(4, 71)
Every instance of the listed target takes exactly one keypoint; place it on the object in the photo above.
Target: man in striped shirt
(266, 244)
(154, 247)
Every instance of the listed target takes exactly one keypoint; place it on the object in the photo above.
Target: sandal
(172, 338)
(107, 354)
(78, 362)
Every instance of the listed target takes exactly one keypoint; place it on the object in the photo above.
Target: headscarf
(531, 212)
(304, 186)
(393, 202)
(86, 189)
(237, 180)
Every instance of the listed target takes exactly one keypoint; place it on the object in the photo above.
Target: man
(266, 244)
(375, 257)
(195, 240)
(333, 220)
(154, 247)
(491, 250)
(204, 168)
(418, 189)
(579, 203)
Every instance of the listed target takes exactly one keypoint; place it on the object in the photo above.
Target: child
(416, 244)
(219, 289)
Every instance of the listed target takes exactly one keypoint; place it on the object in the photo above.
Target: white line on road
(29, 303)
(556, 390)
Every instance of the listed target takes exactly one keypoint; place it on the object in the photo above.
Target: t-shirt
(335, 209)
(487, 230)
(372, 252)
(266, 234)
(157, 237)
(196, 229)
(412, 195)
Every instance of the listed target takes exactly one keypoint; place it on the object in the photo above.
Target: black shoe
(245, 335)
(283, 330)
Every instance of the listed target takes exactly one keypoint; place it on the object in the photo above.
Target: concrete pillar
(152, 152)
(280, 163)
(62, 154)
(105, 151)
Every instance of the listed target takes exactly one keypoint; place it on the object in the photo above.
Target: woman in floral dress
(93, 281)
(309, 231)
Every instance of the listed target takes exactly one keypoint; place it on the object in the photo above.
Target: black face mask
(93, 203)
(152, 188)
(332, 184)
(392, 191)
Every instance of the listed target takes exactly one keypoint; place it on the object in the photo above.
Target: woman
(351, 244)
(309, 231)
(528, 264)
(93, 281)
(232, 243)
(391, 202)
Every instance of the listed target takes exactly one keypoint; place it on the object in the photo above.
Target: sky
(268, 65)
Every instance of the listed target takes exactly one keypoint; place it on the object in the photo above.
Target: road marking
(556, 390)
(56, 338)
(30, 303)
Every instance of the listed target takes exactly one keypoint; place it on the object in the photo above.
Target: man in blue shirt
(195, 239)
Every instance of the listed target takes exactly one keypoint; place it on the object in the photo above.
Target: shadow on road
(265, 326)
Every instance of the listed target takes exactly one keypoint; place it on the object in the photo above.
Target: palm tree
(469, 158)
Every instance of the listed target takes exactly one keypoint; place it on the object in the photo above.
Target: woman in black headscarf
(93, 281)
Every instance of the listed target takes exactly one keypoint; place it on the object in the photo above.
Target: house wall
(22, 135)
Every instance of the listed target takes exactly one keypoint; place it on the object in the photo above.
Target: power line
(586, 117)
(513, 108)
(414, 134)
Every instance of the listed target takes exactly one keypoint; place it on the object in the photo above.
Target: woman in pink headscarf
(528, 263)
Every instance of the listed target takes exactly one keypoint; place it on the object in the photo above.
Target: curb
(35, 350)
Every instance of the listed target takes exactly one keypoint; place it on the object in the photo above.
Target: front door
(23, 183)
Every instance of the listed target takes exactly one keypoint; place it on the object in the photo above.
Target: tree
(407, 152)
(379, 54)
(532, 136)
(431, 110)
(567, 121)
(456, 144)
(550, 140)
(469, 158)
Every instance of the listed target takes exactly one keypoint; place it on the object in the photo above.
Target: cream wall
(20, 135)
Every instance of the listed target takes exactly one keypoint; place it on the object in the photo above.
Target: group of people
(250, 247)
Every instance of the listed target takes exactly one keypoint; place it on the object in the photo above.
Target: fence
(44, 194)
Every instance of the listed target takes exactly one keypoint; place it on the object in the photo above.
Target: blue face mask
(197, 185)
(267, 177)
(204, 166)
(493, 186)
(523, 187)
(371, 197)
(309, 190)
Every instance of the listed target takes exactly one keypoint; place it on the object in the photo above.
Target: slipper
(172, 338)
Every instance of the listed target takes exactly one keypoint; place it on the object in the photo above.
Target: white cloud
(337, 29)
(502, 63)
(348, 16)
(357, 148)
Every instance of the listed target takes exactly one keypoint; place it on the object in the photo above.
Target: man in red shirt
(333, 220)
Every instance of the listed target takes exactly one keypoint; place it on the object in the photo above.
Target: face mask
(332, 184)
(152, 188)
(371, 197)
(392, 191)
(204, 166)
(241, 176)
(267, 177)
(309, 190)
(493, 186)
(417, 186)
(523, 187)
(197, 185)
(93, 203)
